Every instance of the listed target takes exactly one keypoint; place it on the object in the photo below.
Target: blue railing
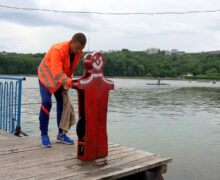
(10, 104)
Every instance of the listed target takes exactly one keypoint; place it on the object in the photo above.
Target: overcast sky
(35, 31)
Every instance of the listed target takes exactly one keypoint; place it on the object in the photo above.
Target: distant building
(210, 52)
(181, 52)
(3, 52)
(189, 75)
(153, 51)
(214, 52)
(167, 52)
(112, 51)
(174, 51)
(185, 75)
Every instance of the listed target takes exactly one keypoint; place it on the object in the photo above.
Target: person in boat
(158, 81)
(55, 72)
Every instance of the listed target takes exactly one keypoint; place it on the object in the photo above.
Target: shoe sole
(46, 146)
(59, 141)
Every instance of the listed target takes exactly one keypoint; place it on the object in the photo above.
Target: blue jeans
(46, 106)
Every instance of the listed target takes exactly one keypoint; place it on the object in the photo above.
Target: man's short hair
(79, 37)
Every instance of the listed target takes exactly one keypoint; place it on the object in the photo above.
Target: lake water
(181, 121)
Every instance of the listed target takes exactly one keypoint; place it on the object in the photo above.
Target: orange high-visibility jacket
(54, 70)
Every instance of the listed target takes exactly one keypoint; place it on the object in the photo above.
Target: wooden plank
(44, 156)
(37, 153)
(119, 164)
(126, 169)
(61, 173)
(51, 168)
(14, 140)
(46, 153)
(26, 142)
(42, 152)
(6, 136)
(87, 167)
(28, 147)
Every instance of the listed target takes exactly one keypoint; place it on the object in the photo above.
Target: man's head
(78, 42)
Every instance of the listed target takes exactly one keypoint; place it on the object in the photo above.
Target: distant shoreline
(216, 78)
(190, 78)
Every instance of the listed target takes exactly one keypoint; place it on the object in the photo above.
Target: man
(55, 73)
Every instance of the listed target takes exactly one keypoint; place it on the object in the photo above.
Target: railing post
(11, 95)
(19, 103)
(1, 95)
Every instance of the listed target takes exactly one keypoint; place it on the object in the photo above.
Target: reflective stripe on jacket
(54, 70)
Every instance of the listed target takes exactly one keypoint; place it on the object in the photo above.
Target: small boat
(157, 84)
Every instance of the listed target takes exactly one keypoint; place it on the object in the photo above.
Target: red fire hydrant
(93, 90)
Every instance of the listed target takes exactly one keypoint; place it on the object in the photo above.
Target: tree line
(125, 63)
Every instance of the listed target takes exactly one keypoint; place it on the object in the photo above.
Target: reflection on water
(181, 121)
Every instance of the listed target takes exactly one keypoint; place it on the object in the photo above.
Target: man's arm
(57, 68)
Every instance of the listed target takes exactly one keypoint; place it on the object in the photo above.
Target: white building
(181, 52)
(167, 52)
(153, 51)
(174, 51)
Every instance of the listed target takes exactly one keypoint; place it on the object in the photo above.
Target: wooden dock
(24, 158)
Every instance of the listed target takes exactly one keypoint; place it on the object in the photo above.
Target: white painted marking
(107, 81)
(91, 78)
(96, 66)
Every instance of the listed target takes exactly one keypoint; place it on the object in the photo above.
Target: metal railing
(10, 104)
